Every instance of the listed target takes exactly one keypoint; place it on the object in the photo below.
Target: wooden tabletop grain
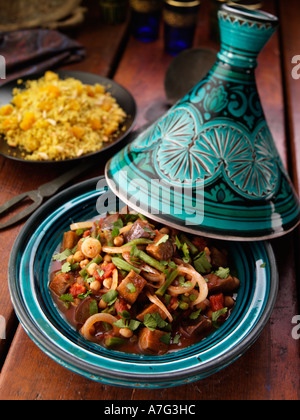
(270, 369)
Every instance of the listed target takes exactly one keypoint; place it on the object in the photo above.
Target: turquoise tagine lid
(210, 165)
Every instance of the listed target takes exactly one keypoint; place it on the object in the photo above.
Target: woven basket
(22, 14)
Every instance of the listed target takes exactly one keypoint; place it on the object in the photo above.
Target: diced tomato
(216, 302)
(86, 234)
(120, 305)
(107, 269)
(76, 289)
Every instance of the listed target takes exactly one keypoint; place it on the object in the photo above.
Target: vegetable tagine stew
(129, 284)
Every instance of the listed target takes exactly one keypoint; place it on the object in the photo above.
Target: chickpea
(119, 241)
(95, 285)
(107, 258)
(83, 263)
(126, 332)
(91, 268)
(91, 247)
(70, 259)
(102, 304)
(107, 282)
(78, 256)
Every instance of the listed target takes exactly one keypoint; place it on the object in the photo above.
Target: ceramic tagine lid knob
(210, 165)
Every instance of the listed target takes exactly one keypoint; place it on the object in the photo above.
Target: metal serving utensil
(37, 196)
(50, 188)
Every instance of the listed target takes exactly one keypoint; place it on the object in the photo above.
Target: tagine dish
(128, 284)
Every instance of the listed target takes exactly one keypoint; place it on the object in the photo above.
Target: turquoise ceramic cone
(210, 165)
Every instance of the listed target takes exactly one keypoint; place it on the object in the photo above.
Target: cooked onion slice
(102, 317)
(196, 278)
(116, 249)
(178, 290)
(154, 299)
(115, 279)
(81, 225)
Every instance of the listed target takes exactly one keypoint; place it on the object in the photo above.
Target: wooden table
(270, 368)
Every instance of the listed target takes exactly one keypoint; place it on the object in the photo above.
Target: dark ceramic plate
(28, 283)
(123, 97)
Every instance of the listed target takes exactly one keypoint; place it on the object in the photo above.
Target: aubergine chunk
(61, 282)
(163, 251)
(70, 239)
(150, 341)
(82, 312)
(199, 327)
(131, 287)
(218, 258)
(216, 284)
(108, 221)
(139, 229)
(151, 309)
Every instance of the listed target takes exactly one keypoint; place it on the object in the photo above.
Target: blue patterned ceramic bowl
(28, 283)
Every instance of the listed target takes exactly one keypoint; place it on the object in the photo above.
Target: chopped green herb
(150, 322)
(110, 297)
(132, 325)
(186, 253)
(84, 295)
(153, 321)
(66, 267)
(62, 255)
(67, 297)
(195, 315)
(93, 307)
(194, 250)
(215, 316)
(201, 263)
(100, 272)
(223, 273)
(116, 228)
(131, 288)
(162, 240)
(125, 314)
(176, 339)
(166, 338)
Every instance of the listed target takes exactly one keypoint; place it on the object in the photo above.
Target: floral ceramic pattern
(178, 127)
(248, 166)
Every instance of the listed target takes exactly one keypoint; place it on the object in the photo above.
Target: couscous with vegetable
(58, 119)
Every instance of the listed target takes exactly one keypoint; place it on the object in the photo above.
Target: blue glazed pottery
(29, 276)
(210, 164)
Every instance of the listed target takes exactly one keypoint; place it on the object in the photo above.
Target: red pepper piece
(216, 302)
(76, 289)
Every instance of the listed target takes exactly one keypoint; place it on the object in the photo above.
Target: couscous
(55, 119)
